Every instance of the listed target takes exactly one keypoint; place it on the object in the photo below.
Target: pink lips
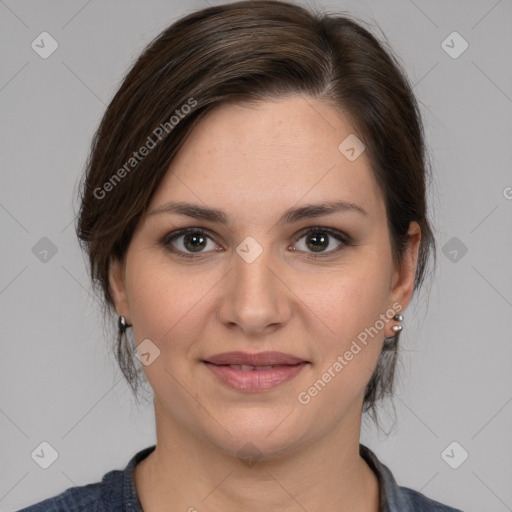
(254, 372)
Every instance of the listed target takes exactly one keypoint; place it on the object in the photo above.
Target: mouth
(247, 367)
(251, 361)
(254, 372)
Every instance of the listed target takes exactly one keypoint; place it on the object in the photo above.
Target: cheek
(350, 308)
(165, 303)
(351, 298)
(165, 307)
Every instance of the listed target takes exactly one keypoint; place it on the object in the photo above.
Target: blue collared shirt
(117, 493)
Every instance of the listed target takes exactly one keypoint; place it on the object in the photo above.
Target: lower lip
(255, 380)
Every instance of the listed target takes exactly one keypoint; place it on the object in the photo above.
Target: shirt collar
(130, 497)
(391, 500)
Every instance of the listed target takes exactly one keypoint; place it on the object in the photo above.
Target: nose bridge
(254, 277)
(254, 297)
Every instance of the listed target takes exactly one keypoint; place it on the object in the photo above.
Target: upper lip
(259, 359)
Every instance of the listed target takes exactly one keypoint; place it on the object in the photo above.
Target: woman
(254, 210)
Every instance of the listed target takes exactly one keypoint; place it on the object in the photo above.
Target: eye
(192, 242)
(321, 240)
(188, 242)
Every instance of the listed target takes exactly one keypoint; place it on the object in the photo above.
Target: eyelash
(166, 240)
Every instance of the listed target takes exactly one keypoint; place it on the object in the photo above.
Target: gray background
(59, 383)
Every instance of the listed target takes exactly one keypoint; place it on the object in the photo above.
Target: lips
(259, 361)
(253, 373)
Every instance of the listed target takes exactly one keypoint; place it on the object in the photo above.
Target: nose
(254, 298)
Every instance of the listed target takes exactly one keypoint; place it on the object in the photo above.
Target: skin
(254, 162)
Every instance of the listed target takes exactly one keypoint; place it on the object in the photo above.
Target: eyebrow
(290, 216)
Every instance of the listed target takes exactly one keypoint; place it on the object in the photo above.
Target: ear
(402, 283)
(117, 287)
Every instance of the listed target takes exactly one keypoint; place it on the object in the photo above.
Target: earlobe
(118, 288)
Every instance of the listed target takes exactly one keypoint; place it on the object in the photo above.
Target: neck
(194, 475)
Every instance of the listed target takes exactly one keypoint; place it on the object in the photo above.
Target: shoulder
(115, 493)
(418, 502)
(395, 498)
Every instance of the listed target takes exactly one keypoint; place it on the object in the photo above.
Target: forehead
(269, 156)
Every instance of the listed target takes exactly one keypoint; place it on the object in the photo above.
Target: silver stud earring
(398, 318)
(123, 324)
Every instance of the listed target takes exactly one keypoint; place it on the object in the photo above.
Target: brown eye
(317, 242)
(322, 241)
(194, 242)
(186, 242)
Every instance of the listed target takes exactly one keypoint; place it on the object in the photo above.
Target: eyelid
(336, 233)
(340, 236)
(166, 240)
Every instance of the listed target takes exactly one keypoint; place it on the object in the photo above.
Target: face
(322, 288)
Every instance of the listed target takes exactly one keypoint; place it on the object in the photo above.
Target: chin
(256, 438)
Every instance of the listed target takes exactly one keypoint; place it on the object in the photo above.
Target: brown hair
(242, 52)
